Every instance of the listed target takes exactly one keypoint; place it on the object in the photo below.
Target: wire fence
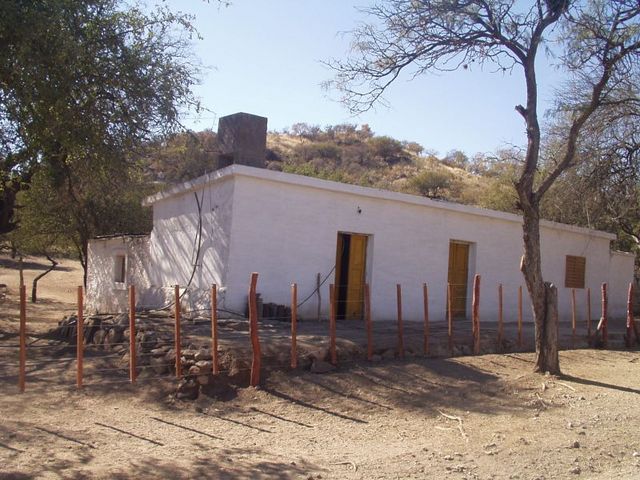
(196, 346)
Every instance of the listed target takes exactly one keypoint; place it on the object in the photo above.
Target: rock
(187, 389)
(93, 320)
(114, 336)
(170, 356)
(121, 319)
(194, 370)
(142, 360)
(304, 362)
(159, 365)
(575, 470)
(160, 351)
(124, 361)
(89, 330)
(204, 366)
(202, 355)
(575, 445)
(147, 340)
(98, 337)
(187, 363)
(319, 353)
(320, 366)
(239, 368)
(389, 354)
(189, 353)
(204, 379)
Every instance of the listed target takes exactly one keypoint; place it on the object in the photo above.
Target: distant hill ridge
(345, 153)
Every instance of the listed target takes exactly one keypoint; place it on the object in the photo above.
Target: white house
(219, 228)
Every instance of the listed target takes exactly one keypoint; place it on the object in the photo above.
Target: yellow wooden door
(458, 274)
(356, 277)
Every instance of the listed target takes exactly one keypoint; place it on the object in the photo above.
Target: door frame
(471, 266)
(341, 287)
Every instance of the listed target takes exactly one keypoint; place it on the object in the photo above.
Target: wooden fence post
(332, 324)
(450, 318)
(23, 338)
(589, 316)
(132, 334)
(603, 319)
(425, 299)
(294, 325)
(80, 339)
(214, 329)
(253, 330)
(573, 317)
(177, 330)
(520, 316)
(500, 318)
(367, 313)
(475, 314)
(630, 320)
(319, 307)
(400, 323)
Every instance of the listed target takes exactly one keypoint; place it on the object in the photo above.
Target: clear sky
(265, 57)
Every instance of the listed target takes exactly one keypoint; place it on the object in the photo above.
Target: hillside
(344, 153)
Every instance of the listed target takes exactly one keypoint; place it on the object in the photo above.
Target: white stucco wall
(169, 256)
(620, 275)
(288, 233)
(174, 243)
(285, 227)
(106, 295)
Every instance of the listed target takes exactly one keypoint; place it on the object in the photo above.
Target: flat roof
(370, 192)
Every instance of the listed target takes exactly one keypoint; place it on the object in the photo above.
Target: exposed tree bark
(547, 359)
(34, 285)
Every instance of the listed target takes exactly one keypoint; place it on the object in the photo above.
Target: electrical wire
(315, 290)
(197, 240)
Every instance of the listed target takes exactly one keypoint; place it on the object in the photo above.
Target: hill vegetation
(351, 154)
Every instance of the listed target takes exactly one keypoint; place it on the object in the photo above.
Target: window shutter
(574, 272)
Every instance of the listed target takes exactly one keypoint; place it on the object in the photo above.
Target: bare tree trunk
(34, 285)
(544, 298)
(547, 359)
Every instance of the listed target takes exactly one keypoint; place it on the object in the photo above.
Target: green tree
(386, 149)
(85, 81)
(64, 214)
(181, 156)
(604, 191)
(596, 42)
(433, 183)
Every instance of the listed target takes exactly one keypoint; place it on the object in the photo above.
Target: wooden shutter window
(574, 272)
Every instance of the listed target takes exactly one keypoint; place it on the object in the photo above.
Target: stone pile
(105, 331)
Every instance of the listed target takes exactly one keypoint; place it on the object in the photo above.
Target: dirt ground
(468, 417)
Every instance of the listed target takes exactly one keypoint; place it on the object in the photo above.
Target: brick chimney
(243, 140)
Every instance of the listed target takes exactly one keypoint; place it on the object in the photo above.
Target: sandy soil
(57, 291)
(463, 418)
